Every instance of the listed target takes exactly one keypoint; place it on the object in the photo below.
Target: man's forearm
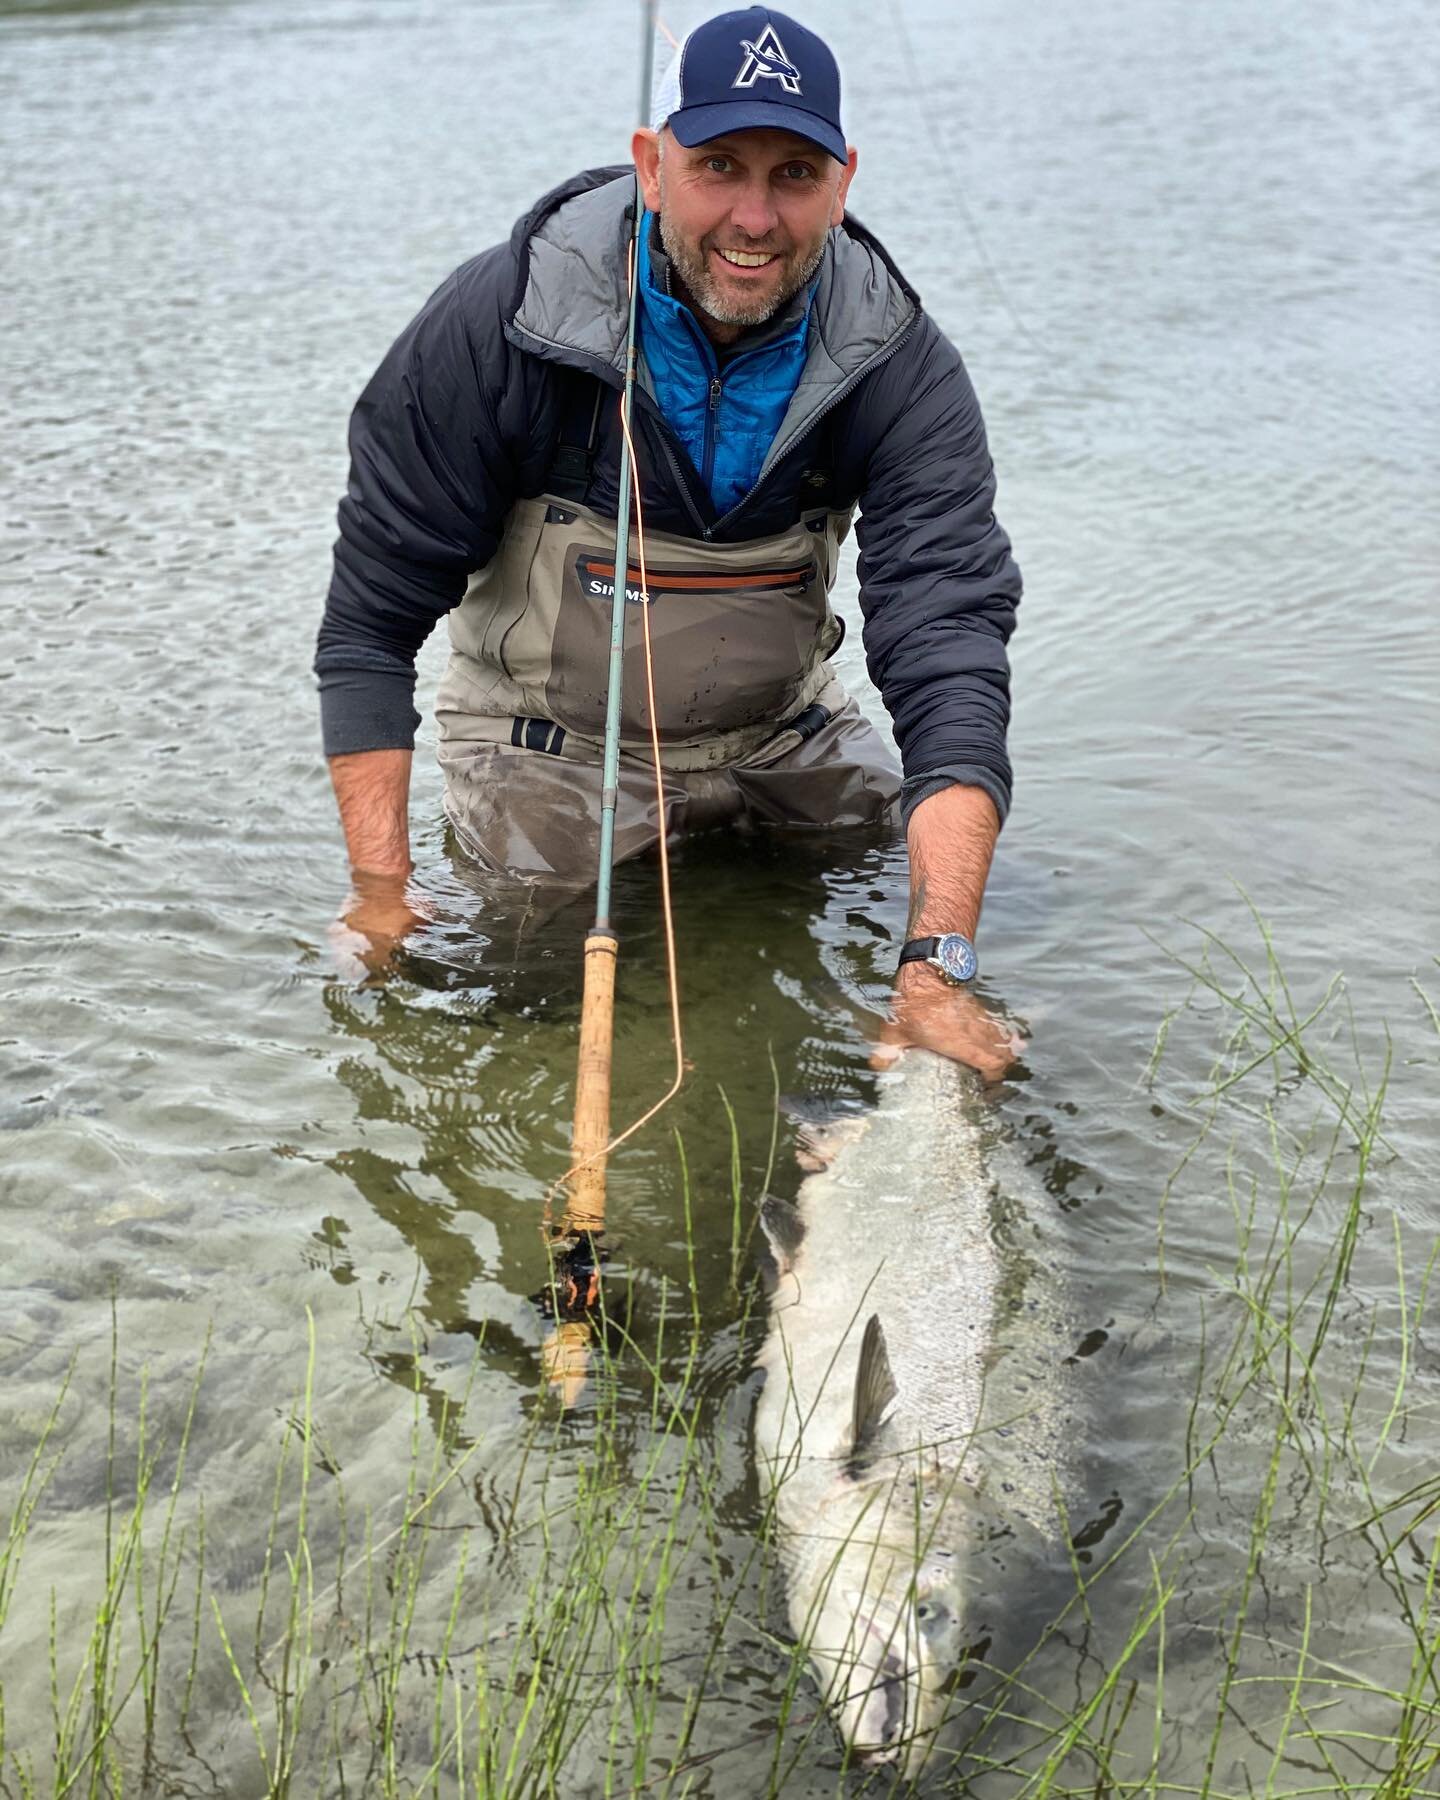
(951, 838)
(372, 790)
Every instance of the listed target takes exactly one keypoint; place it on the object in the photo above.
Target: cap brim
(694, 125)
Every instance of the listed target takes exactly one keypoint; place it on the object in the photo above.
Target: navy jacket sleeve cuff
(367, 709)
(920, 787)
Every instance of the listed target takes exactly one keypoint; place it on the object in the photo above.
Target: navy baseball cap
(756, 67)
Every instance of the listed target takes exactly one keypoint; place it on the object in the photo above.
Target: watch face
(956, 957)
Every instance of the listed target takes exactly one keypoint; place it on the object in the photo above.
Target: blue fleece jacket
(726, 415)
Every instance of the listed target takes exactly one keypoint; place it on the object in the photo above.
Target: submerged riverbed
(1186, 254)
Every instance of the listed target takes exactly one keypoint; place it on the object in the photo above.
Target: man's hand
(928, 1014)
(380, 911)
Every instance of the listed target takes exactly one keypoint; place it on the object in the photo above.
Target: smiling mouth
(748, 259)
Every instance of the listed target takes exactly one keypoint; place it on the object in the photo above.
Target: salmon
(900, 1294)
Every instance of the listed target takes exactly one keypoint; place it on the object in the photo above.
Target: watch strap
(951, 953)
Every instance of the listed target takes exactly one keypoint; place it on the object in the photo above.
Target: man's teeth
(747, 259)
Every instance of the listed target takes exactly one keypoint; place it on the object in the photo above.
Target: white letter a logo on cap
(765, 60)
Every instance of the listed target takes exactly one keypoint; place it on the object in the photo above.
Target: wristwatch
(951, 953)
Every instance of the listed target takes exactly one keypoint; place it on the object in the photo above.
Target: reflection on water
(1212, 238)
(490, 1131)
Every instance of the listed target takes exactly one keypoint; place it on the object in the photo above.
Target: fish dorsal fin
(874, 1390)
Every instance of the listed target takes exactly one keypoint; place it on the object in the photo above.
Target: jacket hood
(571, 252)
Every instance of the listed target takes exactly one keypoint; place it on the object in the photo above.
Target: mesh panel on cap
(668, 95)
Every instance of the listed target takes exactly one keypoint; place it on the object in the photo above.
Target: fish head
(886, 1639)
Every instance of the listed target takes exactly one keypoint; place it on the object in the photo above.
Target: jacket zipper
(712, 414)
(681, 483)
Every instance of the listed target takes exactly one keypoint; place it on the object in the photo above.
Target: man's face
(744, 217)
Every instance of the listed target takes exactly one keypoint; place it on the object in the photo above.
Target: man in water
(787, 375)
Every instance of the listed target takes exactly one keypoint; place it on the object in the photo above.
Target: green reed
(1283, 1407)
(587, 1623)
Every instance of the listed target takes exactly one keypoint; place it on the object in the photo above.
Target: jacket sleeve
(430, 486)
(938, 585)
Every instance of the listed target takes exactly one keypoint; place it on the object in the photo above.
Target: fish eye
(933, 1613)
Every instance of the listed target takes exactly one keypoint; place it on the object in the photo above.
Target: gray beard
(701, 286)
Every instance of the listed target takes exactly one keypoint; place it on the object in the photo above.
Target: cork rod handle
(586, 1209)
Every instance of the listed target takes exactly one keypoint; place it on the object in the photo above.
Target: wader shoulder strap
(580, 398)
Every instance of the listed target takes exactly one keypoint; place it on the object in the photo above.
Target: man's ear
(645, 148)
(846, 177)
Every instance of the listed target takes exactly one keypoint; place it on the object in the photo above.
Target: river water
(1189, 255)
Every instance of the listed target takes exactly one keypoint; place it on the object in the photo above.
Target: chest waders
(740, 636)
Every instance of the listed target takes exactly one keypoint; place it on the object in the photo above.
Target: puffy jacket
(477, 397)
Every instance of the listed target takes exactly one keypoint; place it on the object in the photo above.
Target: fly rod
(590, 1137)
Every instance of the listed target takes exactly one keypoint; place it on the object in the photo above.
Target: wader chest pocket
(738, 631)
(733, 637)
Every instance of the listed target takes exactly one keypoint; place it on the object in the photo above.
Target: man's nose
(753, 212)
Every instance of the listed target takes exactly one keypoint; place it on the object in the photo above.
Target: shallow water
(1189, 256)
